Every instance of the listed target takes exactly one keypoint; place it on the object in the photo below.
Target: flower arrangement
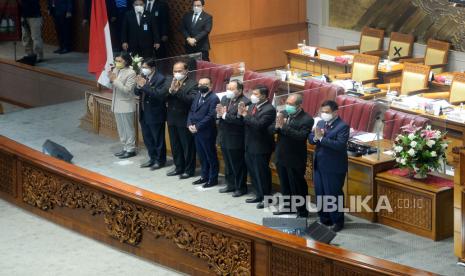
(420, 150)
(136, 63)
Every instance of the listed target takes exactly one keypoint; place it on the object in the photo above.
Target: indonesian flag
(100, 49)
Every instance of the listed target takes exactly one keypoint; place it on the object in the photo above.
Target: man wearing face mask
(152, 113)
(202, 124)
(180, 92)
(232, 139)
(292, 126)
(196, 27)
(258, 142)
(139, 34)
(330, 162)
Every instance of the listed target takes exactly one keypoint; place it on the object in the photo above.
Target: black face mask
(203, 89)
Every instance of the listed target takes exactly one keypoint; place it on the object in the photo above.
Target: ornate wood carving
(7, 174)
(284, 262)
(126, 221)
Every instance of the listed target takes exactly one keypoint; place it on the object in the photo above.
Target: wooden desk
(420, 208)
(459, 209)
(360, 179)
(440, 86)
(393, 75)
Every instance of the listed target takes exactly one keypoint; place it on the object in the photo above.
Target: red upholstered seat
(316, 92)
(359, 114)
(219, 74)
(252, 79)
(394, 120)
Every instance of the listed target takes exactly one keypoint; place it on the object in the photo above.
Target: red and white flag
(100, 49)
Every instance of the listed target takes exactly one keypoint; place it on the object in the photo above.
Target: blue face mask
(290, 109)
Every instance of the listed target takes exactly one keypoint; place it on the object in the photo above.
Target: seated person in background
(258, 142)
(292, 126)
(152, 113)
(232, 138)
(202, 124)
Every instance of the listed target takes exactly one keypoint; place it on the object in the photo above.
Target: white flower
(398, 159)
(411, 136)
(434, 154)
(398, 148)
(413, 144)
(411, 152)
(403, 161)
(444, 145)
(430, 143)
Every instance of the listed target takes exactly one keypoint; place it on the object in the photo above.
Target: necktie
(138, 18)
(149, 6)
(254, 110)
(194, 20)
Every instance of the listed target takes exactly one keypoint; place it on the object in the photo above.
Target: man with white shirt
(139, 34)
(196, 27)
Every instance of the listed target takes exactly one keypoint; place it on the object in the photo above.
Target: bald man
(292, 126)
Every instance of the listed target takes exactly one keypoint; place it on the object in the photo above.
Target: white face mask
(254, 99)
(146, 71)
(229, 94)
(326, 117)
(179, 76)
(139, 9)
(198, 10)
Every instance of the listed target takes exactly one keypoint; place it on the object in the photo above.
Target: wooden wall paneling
(177, 10)
(270, 49)
(229, 16)
(237, 50)
(273, 13)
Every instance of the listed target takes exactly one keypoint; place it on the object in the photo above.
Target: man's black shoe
(185, 176)
(210, 184)
(128, 155)
(302, 215)
(156, 166)
(64, 51)
(173, 173)
(253, 200)
(57, 51)
(261, 205)
(280, 212)
(239, 193)
(147, 164)
(121, 153)
(200, 181)
(226, 190)
(327, 223)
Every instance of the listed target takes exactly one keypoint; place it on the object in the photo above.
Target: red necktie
(254, 110)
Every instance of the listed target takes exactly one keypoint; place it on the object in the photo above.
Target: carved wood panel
(177, 10)
(285, 263)
(415, 216)
(126, 221)
(7, 174)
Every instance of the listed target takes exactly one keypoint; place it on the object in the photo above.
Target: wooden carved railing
(184, 237)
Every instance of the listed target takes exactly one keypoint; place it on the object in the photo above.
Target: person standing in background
(161, 14)
(196, 27)
(62, 11)
(31, 26)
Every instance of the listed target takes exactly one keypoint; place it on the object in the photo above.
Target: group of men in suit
(250, 130)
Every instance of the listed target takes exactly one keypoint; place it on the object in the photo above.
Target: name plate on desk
(327, 57)
(309, 50)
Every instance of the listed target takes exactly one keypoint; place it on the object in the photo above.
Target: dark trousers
(161, 52)
(235, 169)
(329, 184)
(144, 52)
(206, 150)
(63, 29)
(293, 183)
(154, 140)
(205, 54)
(258, 166)
(116, 28)
(182, 149)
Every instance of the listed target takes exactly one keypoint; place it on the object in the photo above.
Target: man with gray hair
(292, 127)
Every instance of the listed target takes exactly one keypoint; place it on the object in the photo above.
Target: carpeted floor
(60, 124)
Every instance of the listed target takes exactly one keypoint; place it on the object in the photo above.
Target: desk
(422, 208)
(360, 179)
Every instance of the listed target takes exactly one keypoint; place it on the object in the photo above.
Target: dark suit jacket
(152, 105)
(331, 152)
(110, 4)
(203, 115)
(200, 31)
(179, 104)
(258, 140)
(135, 35)
(231, 127)
(61, 6)
(29, 8)
(161, 14)
(291, 146)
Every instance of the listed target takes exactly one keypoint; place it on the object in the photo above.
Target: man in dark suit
(152, 108)
(330, 161)
(202, 124)
(62, 11)
(196, 27)
(161, 14)
(180, 92)
(232, 139)
(258, 142)
(139, 33)
(292, 127)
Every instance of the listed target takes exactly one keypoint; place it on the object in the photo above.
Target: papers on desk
(366, 137)
(431, 106)
(327, 57)
(457, 116)
(346, 84)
